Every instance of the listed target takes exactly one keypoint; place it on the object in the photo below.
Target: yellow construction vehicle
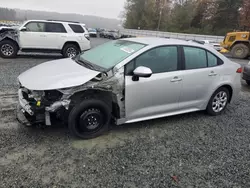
(238, 44)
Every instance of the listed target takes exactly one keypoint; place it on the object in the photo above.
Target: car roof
(161, 41)
(57, 21)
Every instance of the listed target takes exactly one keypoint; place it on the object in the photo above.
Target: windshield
(111, 53)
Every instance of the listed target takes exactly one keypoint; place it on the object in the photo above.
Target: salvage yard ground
(197, 149)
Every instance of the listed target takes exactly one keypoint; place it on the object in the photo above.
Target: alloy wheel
(220, 101)
(71, 52)
(7, 50)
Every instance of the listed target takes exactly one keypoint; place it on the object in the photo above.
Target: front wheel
(8, 49)
(89, 119)
(218, 102)
(248, 82)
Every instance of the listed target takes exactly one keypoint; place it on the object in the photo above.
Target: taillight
(239, 70)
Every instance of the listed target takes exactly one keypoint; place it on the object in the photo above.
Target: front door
(34, 37)
(157, 95)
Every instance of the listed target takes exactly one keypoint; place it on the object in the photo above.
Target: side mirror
(143, 72)
(23, 29)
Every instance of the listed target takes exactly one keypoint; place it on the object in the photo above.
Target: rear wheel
(8, 49)
(218, 101)
(240, 51)
(89, 119)
(70, 50)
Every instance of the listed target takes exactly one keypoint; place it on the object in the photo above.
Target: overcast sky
(104, 8)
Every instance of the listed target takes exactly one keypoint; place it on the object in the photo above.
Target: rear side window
(195, 58)
(55, 28)
(35, 26)
(76, 28)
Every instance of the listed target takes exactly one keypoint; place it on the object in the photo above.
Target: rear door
(200, 77)
(56, 35)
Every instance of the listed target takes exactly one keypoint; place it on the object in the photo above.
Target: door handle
(42, 35)
(176, 79)
(63, 36)
(212, 73)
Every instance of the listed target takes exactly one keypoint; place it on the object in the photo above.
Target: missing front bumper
(30, 115)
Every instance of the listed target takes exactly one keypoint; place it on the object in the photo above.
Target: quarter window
(195, 58)
(76, 28)
(35, 27)
(55, 28)
(212, 60)
(159, 60)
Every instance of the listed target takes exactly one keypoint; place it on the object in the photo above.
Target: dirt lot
(191, 150)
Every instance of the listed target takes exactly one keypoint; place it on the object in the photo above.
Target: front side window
(111, 53)
(232, 38)
(195, 58)
(35, 27)
(55, 28)
(159, 60)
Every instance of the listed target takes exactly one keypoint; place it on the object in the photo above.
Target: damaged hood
(57, 74)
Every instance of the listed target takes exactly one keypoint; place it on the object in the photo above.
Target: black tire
(248, 82)
(240, 51)
(70, 50)
(84, 117)
(11, 48)
(210, 109)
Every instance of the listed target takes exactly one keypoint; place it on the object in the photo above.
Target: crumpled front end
(9, 33)
(40, 107)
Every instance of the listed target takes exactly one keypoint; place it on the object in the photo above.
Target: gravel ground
(191, 150)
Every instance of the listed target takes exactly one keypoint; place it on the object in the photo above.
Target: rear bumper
(85, 45)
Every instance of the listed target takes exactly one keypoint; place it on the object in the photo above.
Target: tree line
(7, 14)
(188, 16)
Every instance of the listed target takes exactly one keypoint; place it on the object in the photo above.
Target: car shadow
(61, 131)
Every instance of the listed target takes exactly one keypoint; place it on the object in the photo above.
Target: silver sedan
(128, 80)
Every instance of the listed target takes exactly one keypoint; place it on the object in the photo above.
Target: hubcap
(219, 101)
(71, 52)
(7, 50)
(90, 120)
(239, 51)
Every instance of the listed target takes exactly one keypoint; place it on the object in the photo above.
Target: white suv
(46, 36)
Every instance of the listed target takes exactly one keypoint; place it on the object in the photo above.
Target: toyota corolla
(126, 81)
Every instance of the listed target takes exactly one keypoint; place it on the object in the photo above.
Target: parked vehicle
(238, 43)
(128, 80)
(215, 45)
(67, 38)
(246, 74)
(112, 34)
(104, 34)
(92, 32)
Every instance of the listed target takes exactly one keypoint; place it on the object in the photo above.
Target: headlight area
(40, 107)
